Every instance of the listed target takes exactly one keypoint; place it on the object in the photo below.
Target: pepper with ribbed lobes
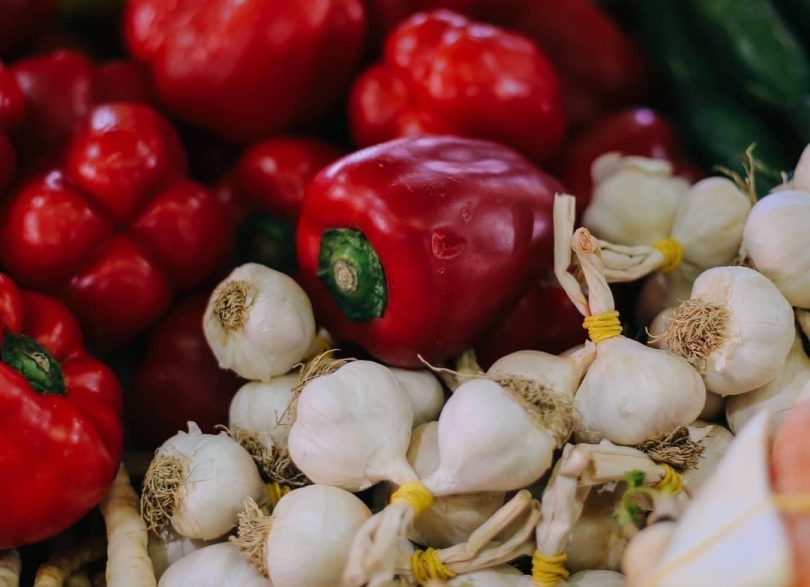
(415, 246)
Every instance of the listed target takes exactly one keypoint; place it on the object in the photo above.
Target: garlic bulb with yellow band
(736, 329)
(631, 393)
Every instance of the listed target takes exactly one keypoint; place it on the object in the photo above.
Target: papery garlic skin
(260, 407)
(596, 579)
(450, 520)
(777, 396)
(352, 428)
(259, 322)
(219, 476)
(425, 392)
(597, 541)
(777, 241)
(311, 535)
(218, 565)
(636, 393)
(715, 440)
(167, 548)
(634, 199)
(488, 442)
(759, 331)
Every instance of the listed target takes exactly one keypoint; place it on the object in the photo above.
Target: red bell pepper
(445, 74)
(417, 245)
(12, 112)
(635, 131)
(61, 88)
(21, 21)
(116, 229)
(247, 69)
(265, 191)
(61, 436)
(179, 379)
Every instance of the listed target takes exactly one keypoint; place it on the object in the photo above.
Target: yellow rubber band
(415, 494)
(671, 481)
(274, 492)
(673, 254)
(426, 565)
(603, 326)
(548, 571)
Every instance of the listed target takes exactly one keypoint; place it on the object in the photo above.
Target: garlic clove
(425, 392)
(259, 322)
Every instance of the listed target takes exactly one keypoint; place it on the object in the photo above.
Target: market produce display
(404, 293)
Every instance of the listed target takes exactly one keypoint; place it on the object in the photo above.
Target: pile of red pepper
(399, 158)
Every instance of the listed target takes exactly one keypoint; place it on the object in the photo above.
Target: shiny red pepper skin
(12, 113)
(634, 131)
(461, 228)
(58, 452)
(445, 74)
(179, 379)
(22, 20)
(247, 69)
(116, 230)
(61, 88)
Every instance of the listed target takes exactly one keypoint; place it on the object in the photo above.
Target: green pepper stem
(32, 361)
(352, 272)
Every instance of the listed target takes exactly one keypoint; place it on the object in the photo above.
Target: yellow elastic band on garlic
(672, 252)
(548, 571)
(274, 492)
(415, 494)
(426, 565)
(603, 326)
(671, 481)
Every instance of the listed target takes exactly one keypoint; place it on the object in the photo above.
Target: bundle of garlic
(736, 329)
(217, 565)
(197, 482)
(631, 393)
(495, 433)
(259, 322)
(741, 541)
(307, 539)
(777, 396)
(581, 468)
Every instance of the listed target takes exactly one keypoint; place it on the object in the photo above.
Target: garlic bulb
(634, 199)
(167, 547)
(776, 240)
(631, 393)
(260, 407)
(197, 483)
(424, 391)
(259, 322)
(777, 396)
(715, 440)
(450, 520)
(732, 533)
(737, 329)
(596, 579)
(218, 565)
(352, 428)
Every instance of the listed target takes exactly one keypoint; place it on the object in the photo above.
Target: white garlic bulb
(205, 477)
(737, 329)
(634, 199)
(168, 547)
(260, 407)
(425, 392)
(218, 565)
(777, 241)
(259, 322)
(777, 396)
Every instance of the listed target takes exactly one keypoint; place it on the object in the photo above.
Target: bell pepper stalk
(116, 230)
(445, 74)
(400, 244)
(62, 438)
(285, 63)
(264, 193)
(179, 379)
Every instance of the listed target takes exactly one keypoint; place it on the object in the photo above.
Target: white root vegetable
(776, 240)
(736, 329)
(777, 396)
(735, 512)
(63, 564)
(259, 322)
(217, 565)
(197, 483)
(168, 547)
(128, 562)
(631, 393)
(634, 199)
(10, 568)
(424, 391)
